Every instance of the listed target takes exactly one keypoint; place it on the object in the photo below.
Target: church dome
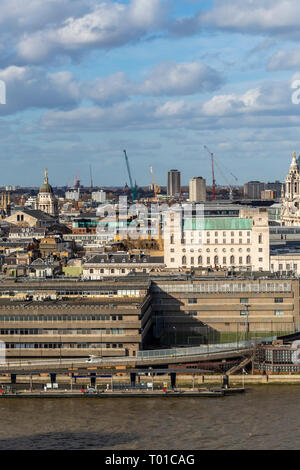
(46, 187)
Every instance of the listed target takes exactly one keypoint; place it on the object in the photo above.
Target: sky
(86, 79)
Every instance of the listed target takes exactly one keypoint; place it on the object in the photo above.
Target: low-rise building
(67, 319)
(120, 264)
(211, 309)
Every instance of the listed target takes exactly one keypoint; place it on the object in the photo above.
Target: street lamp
(247, 321)
(174, 328)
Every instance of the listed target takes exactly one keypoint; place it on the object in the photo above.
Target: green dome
(46, 188)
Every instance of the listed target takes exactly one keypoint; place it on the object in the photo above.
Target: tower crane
(213, 173)
(229, 185)
(214, 162)
(156, 188)
(133, 188)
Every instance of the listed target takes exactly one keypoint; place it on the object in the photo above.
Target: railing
(202, 350)
(152, 354)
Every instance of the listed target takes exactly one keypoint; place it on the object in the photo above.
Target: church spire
(46, 176)
(294, 164)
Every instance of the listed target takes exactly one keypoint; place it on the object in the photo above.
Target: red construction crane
(213, 173)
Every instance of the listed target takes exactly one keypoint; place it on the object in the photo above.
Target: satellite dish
(296, 354)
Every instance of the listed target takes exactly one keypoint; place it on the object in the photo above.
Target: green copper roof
(217, 223)
(46, 188)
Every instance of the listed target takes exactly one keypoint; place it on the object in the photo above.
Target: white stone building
(290, 211)
(120, 264)
(46, 200)
(221, 242)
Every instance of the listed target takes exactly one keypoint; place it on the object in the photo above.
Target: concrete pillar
(53, 378)
(225, 381)
(93, 379)
(173, 379)
(132, 378)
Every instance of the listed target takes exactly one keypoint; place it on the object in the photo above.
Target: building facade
(120, 264)
(46, 200)
(253, 189)
(173, 183)
(197, 192)
(66, 319)
(224, 242)
(223, 309)
(290, 211)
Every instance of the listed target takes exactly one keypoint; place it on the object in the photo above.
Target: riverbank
(187, 381)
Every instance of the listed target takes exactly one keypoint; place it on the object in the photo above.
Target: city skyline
(159, 78)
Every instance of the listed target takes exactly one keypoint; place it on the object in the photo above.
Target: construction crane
(133, 188)
(156, 188)
(213, 173)
(214, 162)
(229, 185)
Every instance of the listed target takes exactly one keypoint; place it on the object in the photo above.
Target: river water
(266, 417)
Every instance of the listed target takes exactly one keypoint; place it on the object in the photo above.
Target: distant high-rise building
(174, 185)
(197, 189)
(253, 189)
(72, 195)
(99, 196)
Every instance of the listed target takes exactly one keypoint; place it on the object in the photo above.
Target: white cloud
(268, 105)
(170, 78)
(285, 60)
(275, 17)
(108, 25)
(165, 79)
(32, 87)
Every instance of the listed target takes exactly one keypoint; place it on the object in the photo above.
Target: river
(266, 417)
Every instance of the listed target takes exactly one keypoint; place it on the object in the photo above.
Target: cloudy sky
(86, 79)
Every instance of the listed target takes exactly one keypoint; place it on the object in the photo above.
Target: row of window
(64, 331)
(277, 313)
(243, 300)
(113, 270)
(225, 287)
(216, 260)
(288, 267)
(120, 292)
(224, 250)
(34, 318)
(62, 346)
(277, 300)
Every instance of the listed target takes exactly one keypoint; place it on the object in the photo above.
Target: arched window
(216, 260)
(248, 260)
(184, 260)
(199, 260)
(231, 259)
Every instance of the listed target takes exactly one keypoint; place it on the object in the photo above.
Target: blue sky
(161, 78)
